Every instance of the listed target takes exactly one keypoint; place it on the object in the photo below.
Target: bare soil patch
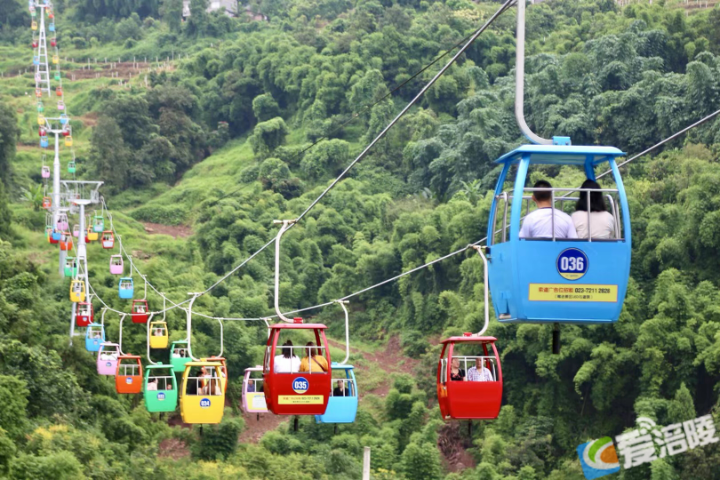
(175, 231)
(173, 448)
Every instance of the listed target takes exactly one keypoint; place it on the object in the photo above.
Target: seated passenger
(317, 365)
(539, 224)
(339, 391)
(250, 386)
(457, 374)
(602, 223)
(479, 373)
(158, 332)
(287, 362)
(152, 384)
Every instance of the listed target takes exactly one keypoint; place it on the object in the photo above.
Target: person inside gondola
(287, 362)
(141, 308)
(152, 384)
(339, 391)
(457, 374)
(479, 373)
(313, 361)
(251, 386)
(158, 332)
(602, 223)
(97, 334)
(540, 223)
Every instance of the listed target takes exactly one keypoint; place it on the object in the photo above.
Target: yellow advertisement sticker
(300, 400)
(554, 292)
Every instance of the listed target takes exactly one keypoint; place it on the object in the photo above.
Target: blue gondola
(126, 288)
(51, 26)
(94, 337)
(36, 60)
(551, 280)
(341, 408)
(44, 142)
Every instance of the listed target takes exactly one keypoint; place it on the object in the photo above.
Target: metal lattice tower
(42, 70)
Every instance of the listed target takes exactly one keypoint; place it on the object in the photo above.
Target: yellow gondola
(203, 396)
(158, 335)
(77, 291)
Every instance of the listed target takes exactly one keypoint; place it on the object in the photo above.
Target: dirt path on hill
(175, 231)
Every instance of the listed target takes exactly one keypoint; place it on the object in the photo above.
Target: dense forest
(250, 119)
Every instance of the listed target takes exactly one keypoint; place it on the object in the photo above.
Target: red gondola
(469, 395)
(53, 42)
(108, 239)
(47, 202)
(139, 312)
(85, 314)
(58, 91)
(293, 392)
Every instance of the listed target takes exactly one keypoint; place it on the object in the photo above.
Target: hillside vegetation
(253, 122)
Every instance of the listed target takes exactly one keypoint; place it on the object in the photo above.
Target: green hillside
(236, 122)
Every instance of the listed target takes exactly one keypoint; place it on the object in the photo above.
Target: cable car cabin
(203, 398)
(55, 59)
(98, 224)
(76, 231)
(77, 291)
(44, 143)
(223, 368)
(289, 388)
(58, 91)
(160, 391)
(40, 107)
(107, 358)
(51, 27)
(126, 288)
(34, 42)
(179, 355)
(66, 243)
(60, 104)
(54, 238)
(253, 394)
(108, 239)
(33, 25)
(116, 265)
(343, 404)
(66, 132)
(41, 120)
(47, 203)
(94, 337)
(57, 77)
(553, 279)
(36, 60)
(45, 171)
(128, 374)
(91, 236)
(469, 378)
(84, 315)
(71, 267)
(53, 42)
(139, 311)
(69, 142)
(63, 119)
(62, 222)
(159, 335)
(71, 167)
(38, 94)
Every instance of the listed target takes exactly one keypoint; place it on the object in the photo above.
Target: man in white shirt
(479, 373)
(539, 224)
